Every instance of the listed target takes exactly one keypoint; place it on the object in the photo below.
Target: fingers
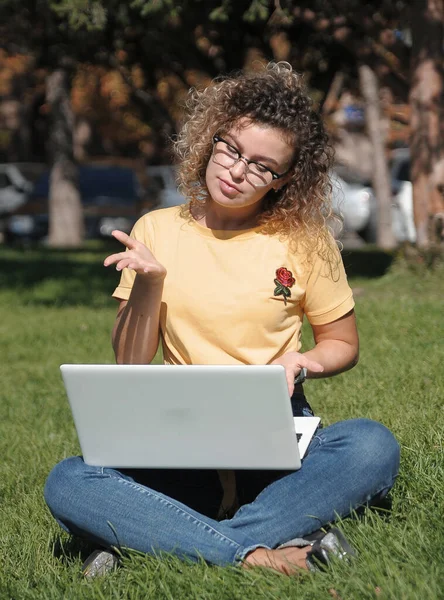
(113, 258)
(311, 365)
(131, 243)
(126, 240)
(123, 237)
(290, 382)
(124, 260)
(293, 362)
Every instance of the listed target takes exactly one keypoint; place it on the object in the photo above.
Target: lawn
(56, 308)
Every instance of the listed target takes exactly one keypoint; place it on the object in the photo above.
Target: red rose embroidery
(285, 277)
(284, 280)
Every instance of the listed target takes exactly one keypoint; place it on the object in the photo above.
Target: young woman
(227, 279)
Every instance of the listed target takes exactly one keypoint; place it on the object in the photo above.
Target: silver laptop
(181, 416)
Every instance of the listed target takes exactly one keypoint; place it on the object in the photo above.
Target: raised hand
(137, 257)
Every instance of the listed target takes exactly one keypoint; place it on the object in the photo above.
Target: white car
(163, 179)
(14, 188)
(402, 207)
(355, 203)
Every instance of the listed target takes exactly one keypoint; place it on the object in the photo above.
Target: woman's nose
(238, 169)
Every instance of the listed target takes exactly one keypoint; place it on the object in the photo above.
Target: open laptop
(185, 416)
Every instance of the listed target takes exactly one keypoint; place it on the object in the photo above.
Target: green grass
(56, 308)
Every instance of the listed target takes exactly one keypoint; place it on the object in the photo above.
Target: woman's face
(233, 187)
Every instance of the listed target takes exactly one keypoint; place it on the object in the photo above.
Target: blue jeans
(347, 465)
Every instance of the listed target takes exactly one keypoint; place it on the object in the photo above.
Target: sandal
(99, 563)
(324, 546)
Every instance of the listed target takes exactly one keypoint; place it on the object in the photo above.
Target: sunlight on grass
(57, 308)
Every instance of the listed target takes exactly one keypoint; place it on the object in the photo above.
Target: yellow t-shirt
(223, 302)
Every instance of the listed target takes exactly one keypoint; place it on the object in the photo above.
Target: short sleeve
(328, 296)
(142, 231)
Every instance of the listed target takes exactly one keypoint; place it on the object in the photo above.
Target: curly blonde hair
(276, 97)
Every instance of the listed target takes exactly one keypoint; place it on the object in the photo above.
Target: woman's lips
(228, 188)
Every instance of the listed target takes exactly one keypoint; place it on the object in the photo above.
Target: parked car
(402, 215)
(14, 188)
(355, 202)
(112, 198)
(163, 180)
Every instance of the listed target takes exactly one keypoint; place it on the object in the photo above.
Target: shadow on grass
(69, 278)
(367, 262)
(71, 549)
(59, 278)
(381, 506)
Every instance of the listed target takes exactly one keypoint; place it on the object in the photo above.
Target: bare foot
(285, 560)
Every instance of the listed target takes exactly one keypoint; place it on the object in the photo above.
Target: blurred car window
(4, 180)
(114, 183)
(404, 171)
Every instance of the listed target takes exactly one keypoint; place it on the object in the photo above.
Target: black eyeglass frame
(217, 138)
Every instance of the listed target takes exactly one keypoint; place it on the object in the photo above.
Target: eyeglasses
(257, 174)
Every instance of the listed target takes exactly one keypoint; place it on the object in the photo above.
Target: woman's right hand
(137, 257)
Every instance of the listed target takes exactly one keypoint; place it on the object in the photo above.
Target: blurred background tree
(124, 69)
(427, 119)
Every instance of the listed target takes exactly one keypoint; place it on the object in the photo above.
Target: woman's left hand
(293, 362)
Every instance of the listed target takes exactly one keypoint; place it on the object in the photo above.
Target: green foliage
(57, 308)
(259, 10)
(81, 14)
(221, 13)
(152, 7)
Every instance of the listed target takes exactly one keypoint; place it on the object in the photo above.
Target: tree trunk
(381, 179)
(427, 115)
(24, 135)
(66, 227)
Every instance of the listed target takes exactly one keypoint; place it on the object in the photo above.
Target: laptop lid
(183, 416)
